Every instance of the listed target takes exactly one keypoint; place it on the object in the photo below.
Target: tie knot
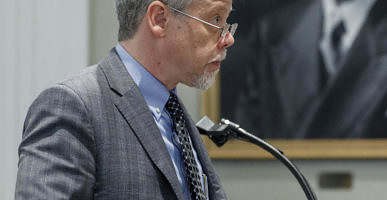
(338, 31)
(341, 1)
(173, 106)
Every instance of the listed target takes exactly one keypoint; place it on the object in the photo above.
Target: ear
(157, 18)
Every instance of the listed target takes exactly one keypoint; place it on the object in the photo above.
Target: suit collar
(362, 49)
(131, 104)
(363, 46)
(154, 92)
(117, 76)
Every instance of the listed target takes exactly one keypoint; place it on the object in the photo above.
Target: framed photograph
(279, 83)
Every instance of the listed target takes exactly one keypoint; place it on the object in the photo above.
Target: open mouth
(217, 63)
(219, 58)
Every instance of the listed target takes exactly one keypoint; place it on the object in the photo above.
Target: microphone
(220, 133)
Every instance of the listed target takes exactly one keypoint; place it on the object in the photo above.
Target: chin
(206, 80)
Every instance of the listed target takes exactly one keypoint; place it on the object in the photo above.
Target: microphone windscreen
(205, 124)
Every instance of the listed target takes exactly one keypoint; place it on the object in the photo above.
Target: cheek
(202, 49)
(198, 50)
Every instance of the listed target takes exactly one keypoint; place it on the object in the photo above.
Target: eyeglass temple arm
(185, 14)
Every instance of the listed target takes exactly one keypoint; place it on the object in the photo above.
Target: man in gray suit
(117, 130)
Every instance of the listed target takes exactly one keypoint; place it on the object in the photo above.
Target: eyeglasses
(225, 29)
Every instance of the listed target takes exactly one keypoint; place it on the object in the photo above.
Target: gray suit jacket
(92, 136)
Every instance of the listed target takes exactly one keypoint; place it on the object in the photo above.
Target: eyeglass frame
(225, 29)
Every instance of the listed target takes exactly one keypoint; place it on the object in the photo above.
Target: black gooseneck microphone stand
(220, 133)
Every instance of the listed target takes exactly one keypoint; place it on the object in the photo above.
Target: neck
(148, 53)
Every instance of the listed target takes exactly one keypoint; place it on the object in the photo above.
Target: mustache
(220, 56)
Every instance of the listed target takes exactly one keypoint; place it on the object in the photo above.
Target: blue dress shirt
(156, 96)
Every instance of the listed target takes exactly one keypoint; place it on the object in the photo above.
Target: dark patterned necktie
(190, 165)
(331, 46)
(336, 38)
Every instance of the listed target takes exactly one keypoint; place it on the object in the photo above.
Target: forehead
(211, 5)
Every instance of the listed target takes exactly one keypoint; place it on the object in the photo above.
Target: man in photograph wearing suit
(321, 71)
(117, 130)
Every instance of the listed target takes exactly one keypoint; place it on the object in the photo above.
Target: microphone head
(217, 133)
(205, 125)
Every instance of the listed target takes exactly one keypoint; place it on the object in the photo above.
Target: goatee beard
(206, 80)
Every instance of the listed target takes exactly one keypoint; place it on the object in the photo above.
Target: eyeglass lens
(229, 29)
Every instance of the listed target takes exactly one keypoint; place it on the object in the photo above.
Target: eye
(217, 20)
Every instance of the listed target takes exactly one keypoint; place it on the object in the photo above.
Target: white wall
(103, 29)
(41, 41)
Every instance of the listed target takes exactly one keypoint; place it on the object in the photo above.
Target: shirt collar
(155, 93)
(352, 12)
(355, 12)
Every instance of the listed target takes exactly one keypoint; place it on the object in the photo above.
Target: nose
(226, 41)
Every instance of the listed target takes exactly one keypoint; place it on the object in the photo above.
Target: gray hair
(131, 12)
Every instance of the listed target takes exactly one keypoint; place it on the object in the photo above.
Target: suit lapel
(131, 104)
(364, 47)
(297, 55)
(359, 55)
